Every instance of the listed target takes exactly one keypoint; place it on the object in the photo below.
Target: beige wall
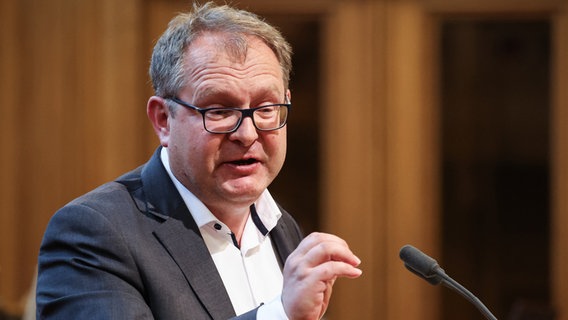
(73, 85)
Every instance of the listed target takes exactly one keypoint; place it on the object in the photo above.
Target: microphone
(428, 269)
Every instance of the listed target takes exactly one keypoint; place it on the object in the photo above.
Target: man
(194, 233)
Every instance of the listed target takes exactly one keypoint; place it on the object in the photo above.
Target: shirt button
(217, 226)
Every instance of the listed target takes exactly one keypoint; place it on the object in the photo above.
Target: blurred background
(442, 124)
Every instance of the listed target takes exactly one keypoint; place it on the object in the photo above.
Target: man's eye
(267, 110)
(220, 113)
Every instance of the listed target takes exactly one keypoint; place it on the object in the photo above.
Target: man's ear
(288, 96)
(159, 115)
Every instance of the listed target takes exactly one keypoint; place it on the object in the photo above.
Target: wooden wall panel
(380, 154)
(412, 179)
(559, 227)
(352, 155)
(9, 61)
(73, 84)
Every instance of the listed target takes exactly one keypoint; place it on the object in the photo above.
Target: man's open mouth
(244, 162)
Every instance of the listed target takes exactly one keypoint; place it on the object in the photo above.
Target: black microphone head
(428, 269)
(421, 264)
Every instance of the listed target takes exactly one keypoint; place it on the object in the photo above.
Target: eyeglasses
(226, 120)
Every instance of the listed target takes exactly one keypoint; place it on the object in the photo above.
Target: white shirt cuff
(273, 310)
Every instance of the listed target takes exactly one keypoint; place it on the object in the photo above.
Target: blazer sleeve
(86, 271)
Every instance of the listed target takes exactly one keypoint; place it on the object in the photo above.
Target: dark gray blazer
(131, 250)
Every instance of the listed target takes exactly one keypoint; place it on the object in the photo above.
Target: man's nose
(246, 133)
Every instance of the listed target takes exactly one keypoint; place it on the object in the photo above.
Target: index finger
(318, 248)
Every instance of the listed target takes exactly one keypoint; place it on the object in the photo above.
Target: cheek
(186, 140)
(277, 147)
(202, 151)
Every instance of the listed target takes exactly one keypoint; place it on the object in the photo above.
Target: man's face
(234, 168)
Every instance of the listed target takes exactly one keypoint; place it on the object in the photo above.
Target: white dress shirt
(251, 274)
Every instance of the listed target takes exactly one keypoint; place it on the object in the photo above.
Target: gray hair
(167, 64)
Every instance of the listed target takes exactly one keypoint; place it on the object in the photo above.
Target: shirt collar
(264, 212)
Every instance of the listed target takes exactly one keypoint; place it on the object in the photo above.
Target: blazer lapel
(187, 248)
(180, 236)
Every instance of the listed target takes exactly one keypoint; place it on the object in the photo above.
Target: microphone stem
(454, 285)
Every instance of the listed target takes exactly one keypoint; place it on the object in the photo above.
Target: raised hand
(310, 272)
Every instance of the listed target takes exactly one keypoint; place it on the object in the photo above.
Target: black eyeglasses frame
(244, 113)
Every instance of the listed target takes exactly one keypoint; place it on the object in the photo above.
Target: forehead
(213, 59)
(210, 47)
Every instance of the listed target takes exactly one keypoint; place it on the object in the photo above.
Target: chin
(245, 191)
